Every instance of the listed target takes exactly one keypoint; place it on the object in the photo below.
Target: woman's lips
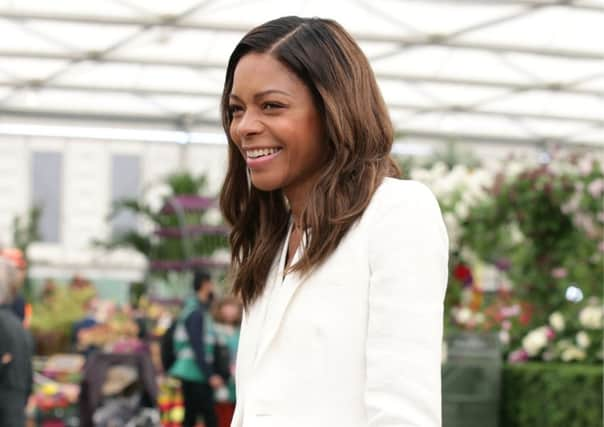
(256, 162)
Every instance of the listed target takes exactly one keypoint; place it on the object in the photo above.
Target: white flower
(591, 317)
(222, 255)
(572, 205)
(556, 320)
(461, 210)
(583, 339)
(516, 236)
(213, 217)
(469, 255)
(439, 170)
(572, 353)
(504, 337)
(453, 228)
(535, 341)
(514, 168)
(479, 318)
(463, 315)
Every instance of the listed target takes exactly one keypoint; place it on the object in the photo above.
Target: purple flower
(503, 264)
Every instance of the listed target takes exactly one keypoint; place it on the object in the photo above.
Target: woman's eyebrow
(261, 94)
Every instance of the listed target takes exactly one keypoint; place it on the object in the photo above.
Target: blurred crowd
(148, 363)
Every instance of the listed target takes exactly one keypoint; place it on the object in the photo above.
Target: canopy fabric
(528, 72)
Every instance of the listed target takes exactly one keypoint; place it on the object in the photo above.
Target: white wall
(86, 198)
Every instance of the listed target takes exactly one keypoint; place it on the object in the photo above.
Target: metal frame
(113, 54)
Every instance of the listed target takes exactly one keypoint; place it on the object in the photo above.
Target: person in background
(15, 256)
(15, 356)
(227, 316)
(194, 340)
(86, 322)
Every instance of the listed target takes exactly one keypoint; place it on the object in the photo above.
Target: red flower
(463, 273)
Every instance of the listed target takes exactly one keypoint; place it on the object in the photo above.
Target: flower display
(527, 241)
(573, 337)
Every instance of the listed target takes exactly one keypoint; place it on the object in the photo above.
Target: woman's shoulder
(403, 209)
(396, 193)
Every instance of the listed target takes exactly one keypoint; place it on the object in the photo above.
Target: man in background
(194, 341)
(15, 355)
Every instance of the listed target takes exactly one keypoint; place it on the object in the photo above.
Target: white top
(357, 343)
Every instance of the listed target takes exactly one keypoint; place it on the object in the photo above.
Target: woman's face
(275, 125)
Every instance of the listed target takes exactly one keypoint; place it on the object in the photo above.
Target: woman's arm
(408, 255)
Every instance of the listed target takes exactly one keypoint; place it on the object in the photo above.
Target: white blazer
(358, 342)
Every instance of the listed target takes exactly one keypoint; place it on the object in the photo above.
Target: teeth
(261, 152)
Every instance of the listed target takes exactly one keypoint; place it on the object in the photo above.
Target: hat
(118, 378)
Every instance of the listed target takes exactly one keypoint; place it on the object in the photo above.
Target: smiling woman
(342, 268)
(276, 126)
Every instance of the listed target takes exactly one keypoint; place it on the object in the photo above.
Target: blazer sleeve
(408, 256)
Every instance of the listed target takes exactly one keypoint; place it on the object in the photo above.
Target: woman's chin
(265, 185)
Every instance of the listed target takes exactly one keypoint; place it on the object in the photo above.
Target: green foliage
(184, 183)
(58, 312)
(25, 230)
(551, 395)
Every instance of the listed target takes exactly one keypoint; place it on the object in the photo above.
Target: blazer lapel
(283, 290)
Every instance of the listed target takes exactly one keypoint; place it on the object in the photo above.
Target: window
(125, 184)
(47, 183)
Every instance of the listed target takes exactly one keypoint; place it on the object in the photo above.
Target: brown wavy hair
(358, 138)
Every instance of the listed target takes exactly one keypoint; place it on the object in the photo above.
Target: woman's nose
(249, 124)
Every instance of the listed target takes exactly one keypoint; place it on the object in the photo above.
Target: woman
(342, 269)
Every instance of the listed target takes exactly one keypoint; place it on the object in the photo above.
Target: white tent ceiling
(512, 72)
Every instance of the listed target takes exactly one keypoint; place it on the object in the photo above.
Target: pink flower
(506, 325)
(550, 334)
(586, 166)
(601, 246)
(510, 311)
(585, 223)
(596, 187)
(559, 272)
(518, 356)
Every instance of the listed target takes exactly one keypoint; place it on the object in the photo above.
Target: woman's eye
(235, 109)
(271, 106)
